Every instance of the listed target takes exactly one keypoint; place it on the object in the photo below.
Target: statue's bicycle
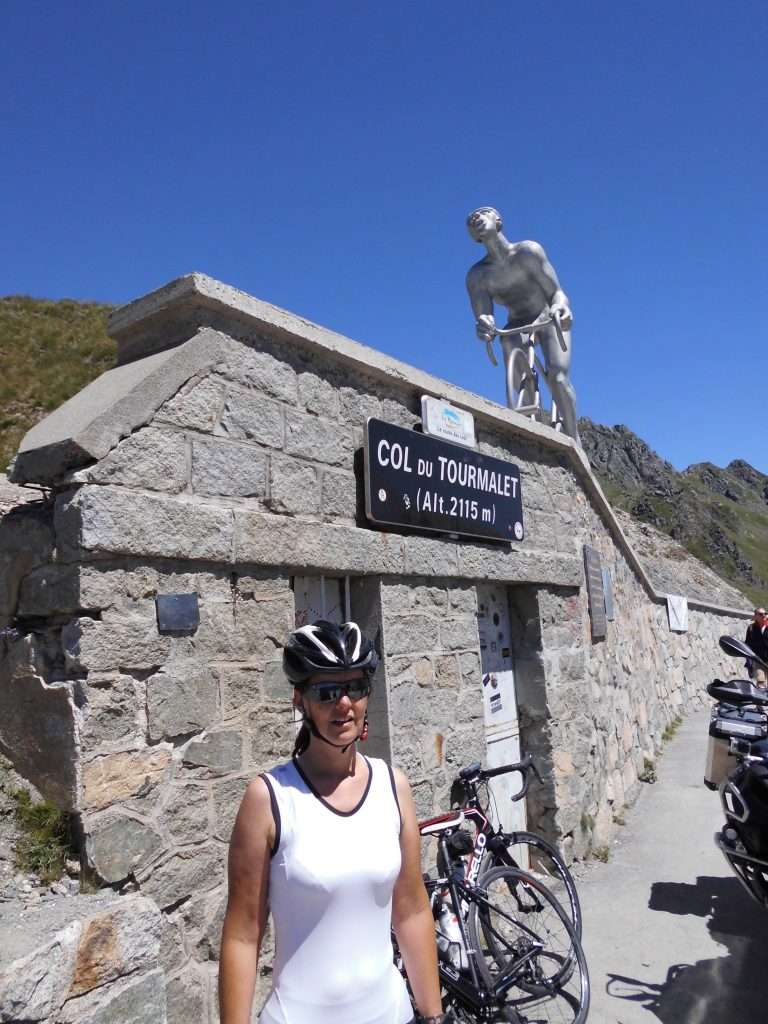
(523, 367)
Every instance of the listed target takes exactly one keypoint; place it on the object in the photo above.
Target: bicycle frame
(473, 991)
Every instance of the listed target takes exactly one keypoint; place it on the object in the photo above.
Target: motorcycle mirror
(737, 649)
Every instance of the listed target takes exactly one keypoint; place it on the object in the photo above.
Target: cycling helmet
(327, 647)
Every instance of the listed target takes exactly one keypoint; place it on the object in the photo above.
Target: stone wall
(222, 457)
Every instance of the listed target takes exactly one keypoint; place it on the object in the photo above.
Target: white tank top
(330, 892)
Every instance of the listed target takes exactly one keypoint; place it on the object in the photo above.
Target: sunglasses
(327, 693)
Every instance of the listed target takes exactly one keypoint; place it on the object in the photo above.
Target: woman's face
(341, 720)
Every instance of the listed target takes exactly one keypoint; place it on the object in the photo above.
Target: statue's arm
(546, 277)
(482, 305)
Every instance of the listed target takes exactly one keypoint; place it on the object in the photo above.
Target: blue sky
(323, 156)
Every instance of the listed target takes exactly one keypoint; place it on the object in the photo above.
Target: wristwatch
(437, 1019)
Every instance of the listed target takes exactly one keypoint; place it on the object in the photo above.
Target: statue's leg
(558, 365)
(515, 368)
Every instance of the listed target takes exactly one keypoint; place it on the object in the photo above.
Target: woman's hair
(303, 737)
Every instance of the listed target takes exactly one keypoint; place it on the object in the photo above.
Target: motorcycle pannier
(728, 722)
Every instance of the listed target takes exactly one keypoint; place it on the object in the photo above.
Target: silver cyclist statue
(518, 275)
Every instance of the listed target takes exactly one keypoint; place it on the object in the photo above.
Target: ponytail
(303, 737)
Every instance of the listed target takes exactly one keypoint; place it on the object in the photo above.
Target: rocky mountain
(50, 350)
(718, 515)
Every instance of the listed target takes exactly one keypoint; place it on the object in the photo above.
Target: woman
(330, 844)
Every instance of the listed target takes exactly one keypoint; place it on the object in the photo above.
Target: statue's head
(483, 222)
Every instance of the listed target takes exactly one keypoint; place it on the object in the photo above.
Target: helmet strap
(343, 747)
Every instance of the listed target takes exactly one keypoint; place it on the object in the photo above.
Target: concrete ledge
(91, 423)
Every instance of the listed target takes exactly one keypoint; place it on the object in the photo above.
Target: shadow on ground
(723, 990)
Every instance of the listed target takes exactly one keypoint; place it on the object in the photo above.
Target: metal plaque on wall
(595, 592)
(413, 480)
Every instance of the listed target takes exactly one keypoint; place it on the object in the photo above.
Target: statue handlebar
(532, 328)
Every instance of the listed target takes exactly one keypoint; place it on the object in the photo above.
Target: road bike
(497, 962)
(493, 848)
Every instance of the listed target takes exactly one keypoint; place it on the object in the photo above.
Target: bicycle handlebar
(474, 773)
(529, 329)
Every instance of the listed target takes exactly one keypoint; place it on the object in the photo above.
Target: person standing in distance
(757, 640)
(329, 843)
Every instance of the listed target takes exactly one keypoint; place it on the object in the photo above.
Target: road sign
(419, 482)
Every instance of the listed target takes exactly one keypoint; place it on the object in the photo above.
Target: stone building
(218, 468)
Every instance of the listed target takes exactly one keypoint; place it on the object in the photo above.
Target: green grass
(45, 839)
(671, 729)
(648, 774)
(49, 351)
(602, 853)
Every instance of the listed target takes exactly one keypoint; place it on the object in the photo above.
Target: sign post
(419, 482)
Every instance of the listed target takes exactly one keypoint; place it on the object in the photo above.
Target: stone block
(185, 997)
(196, 406)
(318, 395)
(393, 410)
(111, 712)
(68, 949)
(26, 541)
(293, 487)
(185, 813)
(113, 778)
(136, 1000)
(111, 520)
(226, 468)
(240, 687)
(50, 590)
(217, 751)
(358, 406)
(38, 723)
(447, 672)
(427, 557)
(252, 417)
(262, 371)
(463, 598)
(409, 634)
(192, 871)
(104, 646)
(339, 495)
(150, 459)
(203, 921)
(310, 437)
(181, 699)
(271, 732)
(33, 986)
(227, 797)
(118, 846)
(269, 540)
(264, 625)
(459, 635)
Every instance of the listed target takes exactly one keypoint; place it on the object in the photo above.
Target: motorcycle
(737, 766)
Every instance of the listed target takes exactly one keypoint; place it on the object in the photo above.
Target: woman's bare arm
(245, 920)
(411, 914)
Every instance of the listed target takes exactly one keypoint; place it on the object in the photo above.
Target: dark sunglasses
(327, 693)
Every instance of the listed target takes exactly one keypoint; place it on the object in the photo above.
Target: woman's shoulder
(281, 774)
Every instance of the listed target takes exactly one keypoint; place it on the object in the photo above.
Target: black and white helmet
(326, 647)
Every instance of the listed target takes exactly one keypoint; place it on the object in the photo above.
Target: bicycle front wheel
(546, 865)
(534, 946)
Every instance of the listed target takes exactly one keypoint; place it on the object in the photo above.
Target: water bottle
(449, 941)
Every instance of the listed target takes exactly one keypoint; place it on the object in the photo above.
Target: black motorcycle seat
(737, 691)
